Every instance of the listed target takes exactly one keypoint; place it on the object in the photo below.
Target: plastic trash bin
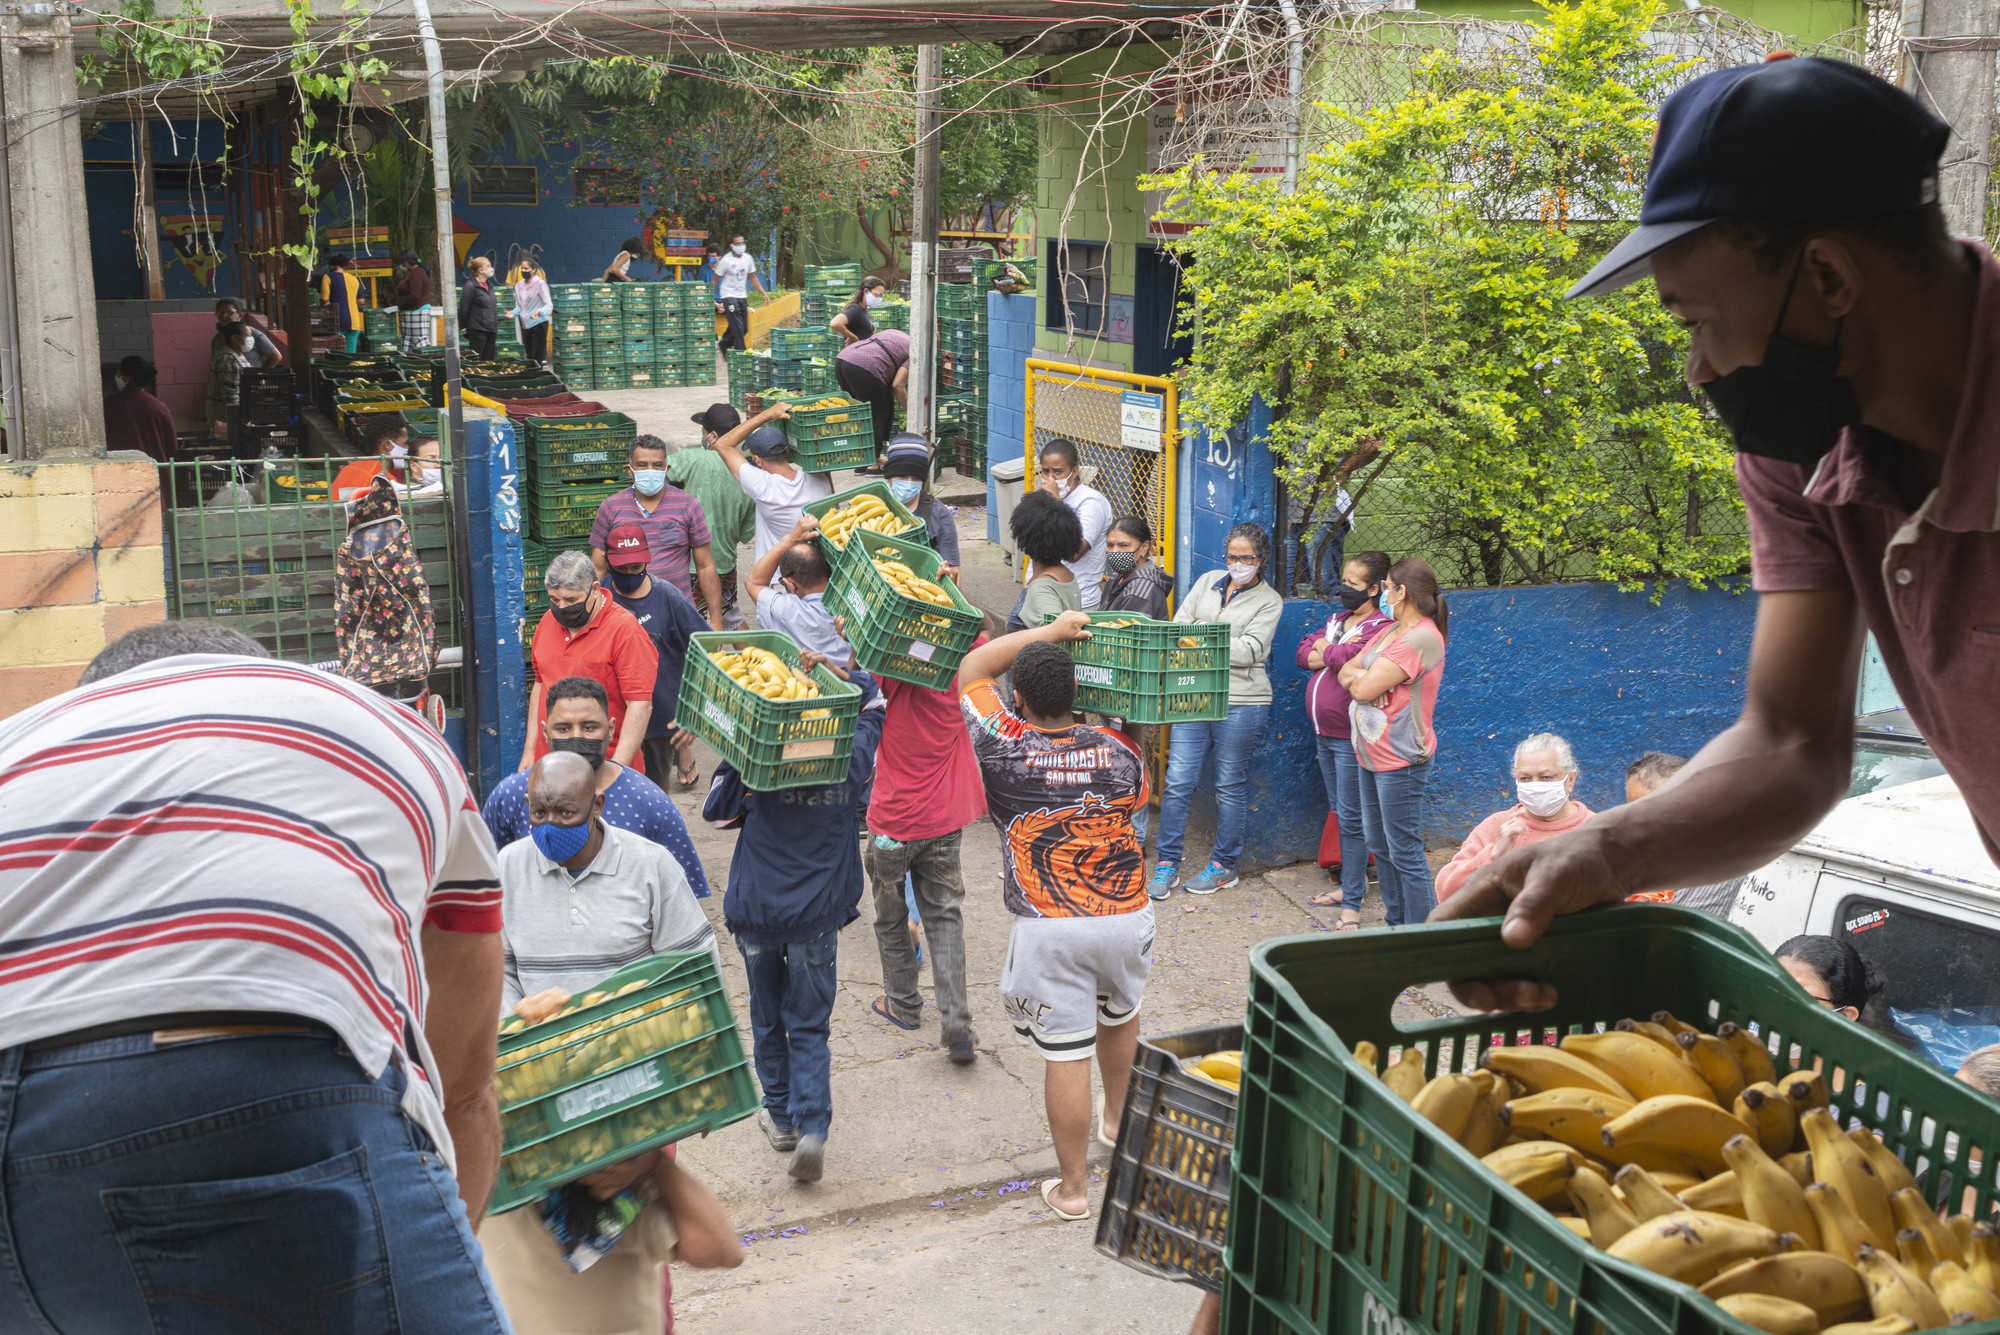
(1007, 478)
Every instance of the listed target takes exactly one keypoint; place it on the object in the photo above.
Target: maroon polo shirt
(1929, 581)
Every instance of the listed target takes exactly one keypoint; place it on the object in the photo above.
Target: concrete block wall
(1010, 341)
(125, 328)
(80, 564)
(181, 352)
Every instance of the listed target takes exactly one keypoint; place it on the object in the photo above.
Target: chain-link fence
(251, 544)
(1123, 426)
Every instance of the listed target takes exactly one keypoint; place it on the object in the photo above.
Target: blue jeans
(1392, 818)
(1341, 773)
(1233, 739)
(231, 1186)
(791, 1014)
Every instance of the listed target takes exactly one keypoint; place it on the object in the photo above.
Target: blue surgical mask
(627, 584)
(560, 843)
(649, 481)
(906, 489)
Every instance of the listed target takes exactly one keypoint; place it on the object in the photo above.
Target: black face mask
(590, 748)
(627, 584)
(574, 617)
(1352, 599)
(1794, 405)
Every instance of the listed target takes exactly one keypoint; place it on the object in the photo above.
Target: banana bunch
(908, 583)
(865, 513)
(1221, 1068)
(1687, 1153)
(833, 402)
(764, 672)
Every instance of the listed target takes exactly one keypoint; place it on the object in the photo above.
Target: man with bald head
(582, 899)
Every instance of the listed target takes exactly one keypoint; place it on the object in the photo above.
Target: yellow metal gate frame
(1083, 404)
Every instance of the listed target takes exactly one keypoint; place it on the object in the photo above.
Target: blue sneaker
(1213, 877)
(1165, 875)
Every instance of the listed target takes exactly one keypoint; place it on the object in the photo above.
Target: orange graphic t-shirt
(1063, 800)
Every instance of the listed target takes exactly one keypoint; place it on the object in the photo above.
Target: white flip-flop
(1109, 1142)
(1049, 1184)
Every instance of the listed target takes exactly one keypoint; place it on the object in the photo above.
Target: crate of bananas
(744, 693)
(904, 619)
(648, 1056)
(1147, 671)
(829, 432)
(868, 508)
(1685, 1143)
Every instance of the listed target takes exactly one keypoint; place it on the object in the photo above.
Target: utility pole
(54, 388)
(1953, 76)
(922, 412)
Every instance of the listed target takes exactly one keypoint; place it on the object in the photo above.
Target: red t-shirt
(611, 648)
(926, 778)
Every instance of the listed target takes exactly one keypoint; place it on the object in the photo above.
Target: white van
(1900, 874)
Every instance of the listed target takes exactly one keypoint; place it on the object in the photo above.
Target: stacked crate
(892, 314)
(569, 465)
(379, 332)
(684, 323)
(507, 342)
(570, 347)
(964, 363)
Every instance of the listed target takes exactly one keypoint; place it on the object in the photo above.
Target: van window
(1940, 976)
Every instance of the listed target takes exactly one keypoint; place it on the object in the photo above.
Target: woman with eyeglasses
(1835, 974)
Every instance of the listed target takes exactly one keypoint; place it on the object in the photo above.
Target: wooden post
(148, 221)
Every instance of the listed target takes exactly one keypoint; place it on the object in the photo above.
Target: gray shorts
(1066, 976)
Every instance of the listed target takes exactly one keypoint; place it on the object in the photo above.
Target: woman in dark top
(478, 309)
(133, 418)
(1132, 583)
(853, 323)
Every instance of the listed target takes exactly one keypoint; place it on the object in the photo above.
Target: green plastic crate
(820, 509)
(569, 294)
(1349, 1212)
(1147, 672)
(565, 527)
(579, 440)
(833, 277)
(806, 341)
(577, 323)
(771, 743)
(636, 296)
(603, 298)
(534, 561)
(827, 439)
(660, 1063)
(893, 634)
(689, 296)
(554, 500)
(628, 325)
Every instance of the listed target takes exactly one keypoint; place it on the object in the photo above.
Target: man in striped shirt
(250, 958)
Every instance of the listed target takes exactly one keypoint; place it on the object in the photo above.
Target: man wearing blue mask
(906, 469)
(676, 529)
(668, 619)
(1845, 339)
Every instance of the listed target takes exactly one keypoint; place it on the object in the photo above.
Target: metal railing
(1127, 426)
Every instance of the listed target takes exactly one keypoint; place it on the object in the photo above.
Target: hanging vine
(320, 82)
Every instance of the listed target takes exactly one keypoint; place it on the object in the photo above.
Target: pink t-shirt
(1400, 734)
(926, 779)
(1477, 850)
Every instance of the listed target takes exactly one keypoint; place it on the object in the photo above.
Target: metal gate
(1124, 425)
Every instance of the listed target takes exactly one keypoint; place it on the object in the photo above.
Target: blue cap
(768, 441)
(1795, 139)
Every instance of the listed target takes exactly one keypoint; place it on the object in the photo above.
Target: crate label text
(586, 1099)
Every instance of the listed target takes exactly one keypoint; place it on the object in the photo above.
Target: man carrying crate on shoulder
(1081, 947)
(583, 899)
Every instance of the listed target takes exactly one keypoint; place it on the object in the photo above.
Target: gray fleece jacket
(1252, 616)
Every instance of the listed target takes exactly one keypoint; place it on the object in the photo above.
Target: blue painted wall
(576, 240)
(1227, 480)
(108, 193)
(1609, 671)
(1010, 342)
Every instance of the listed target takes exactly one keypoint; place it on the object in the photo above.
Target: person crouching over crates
(794, 882)
(582, 899)
(1062, 795)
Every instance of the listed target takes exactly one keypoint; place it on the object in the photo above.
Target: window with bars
(502, 185)
(605, 185)
(1078, 293)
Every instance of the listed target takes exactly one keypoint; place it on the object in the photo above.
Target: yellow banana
(1539, 1068)
(1822, 1281)
(1571, 1114)
(1961, 1228)
(1693, 1125)
(1888, 1325)
(1841, 1164)
(1717, 1065)
(1721, 1194)
(1894, 1291)
(1806, 1089)
(1982, 1255)
(1644, 1194)
(1580, 1227)
(1913, 1249)
(1666, 1021)
(1223, 1065)
(1639, 1064)
(1765, 1107)
(1694, 1247)
(1960, 1292)
(1539, 1170)
(1364, 1052)
(1895, 1175)
(1405, 1076)
(1751, 1055)
(1770, 1195)
(1659, 1033)
(1447, 1101)
(1910, 1211)
(1486, 1131)
(1799, 1165)
(1840, 1232)
(1775, 1316)
(1610, 1218)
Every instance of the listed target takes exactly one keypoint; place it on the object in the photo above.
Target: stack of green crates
(379, 332)
(684, 336)
(742, 368)
(892, 314)
(568, 466)
(571, 333)
(507, 343)
(833, 280)
(961, 301)
(534, 564)
(816, 309)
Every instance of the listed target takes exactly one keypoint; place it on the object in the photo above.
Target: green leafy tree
(1405, 307)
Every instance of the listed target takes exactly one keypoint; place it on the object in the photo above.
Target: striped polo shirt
(675, 525)
(215, 833)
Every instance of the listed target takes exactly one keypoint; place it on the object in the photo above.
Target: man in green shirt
(732, 516)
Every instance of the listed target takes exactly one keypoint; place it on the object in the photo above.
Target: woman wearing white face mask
(853, 324)
(906, 469)
(1544, 781)
(1240, 597)
(228, 356)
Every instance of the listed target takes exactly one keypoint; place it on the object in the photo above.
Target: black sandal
(1328, 899)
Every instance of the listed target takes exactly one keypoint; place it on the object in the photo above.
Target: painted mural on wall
(196, 239)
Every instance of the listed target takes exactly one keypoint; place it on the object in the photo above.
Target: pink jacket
(1477, 850)
(1326, 698)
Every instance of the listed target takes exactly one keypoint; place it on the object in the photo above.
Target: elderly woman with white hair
(1544, 781)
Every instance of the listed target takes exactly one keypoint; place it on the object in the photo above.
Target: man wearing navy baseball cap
(759, 456)
(1850, 346)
